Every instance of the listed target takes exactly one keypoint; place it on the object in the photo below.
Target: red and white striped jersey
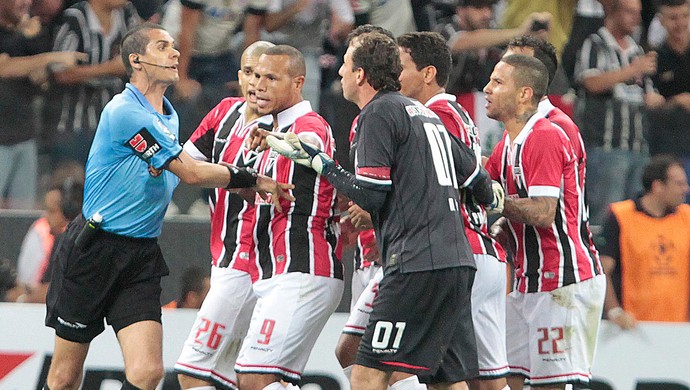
(365, 238)
(562, 120)
(459, 123)
(220, 137)
(304, 236)
(541, 162)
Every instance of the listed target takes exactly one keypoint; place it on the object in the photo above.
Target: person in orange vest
(646, 249)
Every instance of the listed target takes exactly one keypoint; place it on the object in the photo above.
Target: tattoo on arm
(538, 211)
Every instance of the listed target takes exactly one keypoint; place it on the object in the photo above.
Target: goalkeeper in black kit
(408, 175)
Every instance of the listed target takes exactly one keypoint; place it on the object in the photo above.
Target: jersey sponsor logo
(420, 110)
(144, 144)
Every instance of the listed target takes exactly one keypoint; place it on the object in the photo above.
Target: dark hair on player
(428, 49)
(378, 55)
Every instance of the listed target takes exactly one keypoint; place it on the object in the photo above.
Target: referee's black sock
(128, 386)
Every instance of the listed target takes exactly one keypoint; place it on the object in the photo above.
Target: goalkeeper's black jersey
(404, 149)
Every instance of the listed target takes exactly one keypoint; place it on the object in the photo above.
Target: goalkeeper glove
(300, 152)
(496, 207)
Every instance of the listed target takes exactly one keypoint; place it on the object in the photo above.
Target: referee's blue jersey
(132, 136)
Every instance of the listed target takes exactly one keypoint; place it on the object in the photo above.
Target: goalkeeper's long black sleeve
(480, 187)
(368, 199)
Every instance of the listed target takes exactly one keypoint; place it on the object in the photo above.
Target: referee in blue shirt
(134, 164)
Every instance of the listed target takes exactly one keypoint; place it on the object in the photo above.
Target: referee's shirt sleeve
(374, 154)
(146, 137)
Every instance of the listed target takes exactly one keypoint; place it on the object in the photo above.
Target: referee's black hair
(544, 51)
(657, 169)
(428, 49)
(134, 42)
(378, 55)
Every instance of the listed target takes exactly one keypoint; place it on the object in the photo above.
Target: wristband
(241, 177)
(614, 312)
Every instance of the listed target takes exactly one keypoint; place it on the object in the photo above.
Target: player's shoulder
(230, 102)
(311, 118)
(386, 102)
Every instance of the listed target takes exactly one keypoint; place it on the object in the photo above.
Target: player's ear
(429, 74)
(361, 77)
(299, 81)
(526, 94)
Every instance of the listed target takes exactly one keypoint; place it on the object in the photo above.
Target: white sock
(290, 386)
(348, 372)
(411, 383)
(506, 388)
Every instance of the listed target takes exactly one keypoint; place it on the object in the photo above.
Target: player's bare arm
(538, 211)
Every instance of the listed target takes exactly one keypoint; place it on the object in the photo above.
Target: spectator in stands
(10, 289)
(22, 39)
(395, 16)
(94, 27)
(589, 17)
(474, 42)
(670, 124)
(194, 285)
(646, 252)
(562, 13)
(62, 204)
(207, 62)
(301, 24)
(614, 89)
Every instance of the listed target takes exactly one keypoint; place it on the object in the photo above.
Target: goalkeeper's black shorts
(114, 277)
(421, 323)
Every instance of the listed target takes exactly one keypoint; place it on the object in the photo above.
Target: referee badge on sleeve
(144, 144)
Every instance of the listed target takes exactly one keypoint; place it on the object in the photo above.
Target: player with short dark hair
(415, 214)
(300, 274)
(546, 53)
(548, 343)
(426, 62)
(110, 268)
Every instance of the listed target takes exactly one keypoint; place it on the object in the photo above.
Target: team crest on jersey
(164, 129)
(144, 144)
(247, 158)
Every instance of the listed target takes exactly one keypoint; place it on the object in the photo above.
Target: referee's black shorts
(114, 277)
(421, 324)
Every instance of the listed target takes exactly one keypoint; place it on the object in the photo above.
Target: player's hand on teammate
(256, 140)
(360, 219)
(301, 151)
(496, 207)
(265, 185)
(499, 232)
